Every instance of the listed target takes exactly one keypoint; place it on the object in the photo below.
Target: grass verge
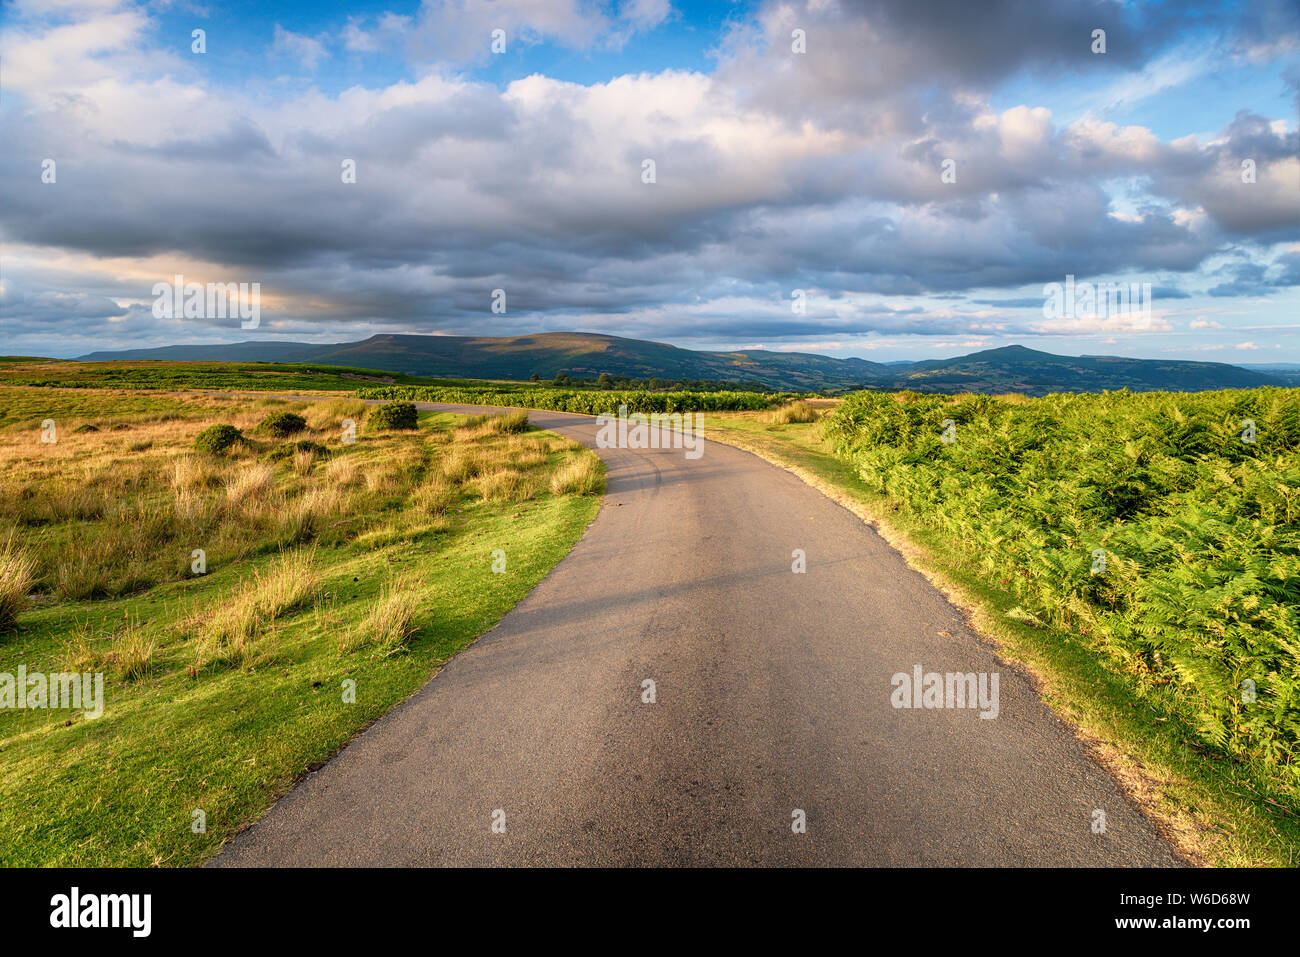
(336, 584)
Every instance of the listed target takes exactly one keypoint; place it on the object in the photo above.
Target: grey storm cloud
(1250, 278)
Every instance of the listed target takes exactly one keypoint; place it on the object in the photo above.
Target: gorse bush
(1199, 529)
(217, 438)
(394, 415)
(576, 400)
(282, 424)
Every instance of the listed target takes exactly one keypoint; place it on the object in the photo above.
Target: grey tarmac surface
(773, 694)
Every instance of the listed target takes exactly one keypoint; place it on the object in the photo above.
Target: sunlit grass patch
(392, 617)
(580, 475)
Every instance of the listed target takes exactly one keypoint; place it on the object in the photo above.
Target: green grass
(1225, 809)
(26, 407)
(222, 689)
(242, 376)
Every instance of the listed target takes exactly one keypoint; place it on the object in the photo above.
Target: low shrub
(282, 424)
(393, 415)
(217, 438)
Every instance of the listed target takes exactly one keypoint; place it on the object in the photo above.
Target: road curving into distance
(772, 700)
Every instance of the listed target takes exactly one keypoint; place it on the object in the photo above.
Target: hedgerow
(1200, 529)
(591, 402)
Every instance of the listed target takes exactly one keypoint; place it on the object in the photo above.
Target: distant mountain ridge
(587, 355)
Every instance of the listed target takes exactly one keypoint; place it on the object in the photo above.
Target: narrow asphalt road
(772, 699)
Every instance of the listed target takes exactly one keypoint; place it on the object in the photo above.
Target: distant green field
(366, 383)
(241, 376)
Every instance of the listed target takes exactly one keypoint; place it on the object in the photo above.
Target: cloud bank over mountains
(774, 171)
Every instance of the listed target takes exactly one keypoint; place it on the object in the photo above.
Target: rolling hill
(587, 355)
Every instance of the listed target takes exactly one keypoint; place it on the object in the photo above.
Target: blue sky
(815, 176)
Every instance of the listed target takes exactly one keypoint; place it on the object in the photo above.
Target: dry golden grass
(133, 651)
(383, 478)
(461, 463)
(392, 618)
(505, 483)
(17, 573)
(190, 472)
(527, 451)
(581, 475)
(81, 653)
(492, 423)
(792, 413)
(250, 484)
(303, 460)
(98, 520)
(329, 416)
(342, 472)
(436, 496)
(228, 634)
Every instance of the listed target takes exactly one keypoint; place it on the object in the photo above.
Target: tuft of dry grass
(505, 484)
(436, 496)
(461, 463)
(82, 572)
(303, 460)
(384, 479)
(581, 475)
(191, 472)
(81, 653)
(493, 423)
(392, 618)
(527, 451)
(229, 632)
(17, 573)
(794, 412)
(133, 651)
(253, 483)
(328, 416)
(342, 472)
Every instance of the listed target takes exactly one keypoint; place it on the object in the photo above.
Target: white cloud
(308, 51)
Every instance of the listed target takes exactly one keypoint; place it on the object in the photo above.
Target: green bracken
(1163, 527)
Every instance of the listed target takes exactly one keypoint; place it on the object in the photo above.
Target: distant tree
(604, 381)
(534, 378)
